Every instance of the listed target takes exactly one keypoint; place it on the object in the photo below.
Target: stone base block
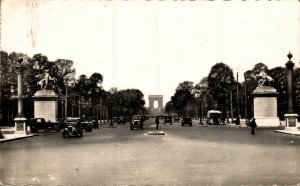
(267, 121)
(20, 126)
(291, 123)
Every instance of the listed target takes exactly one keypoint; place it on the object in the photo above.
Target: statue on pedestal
(46, 79)
(263, 79)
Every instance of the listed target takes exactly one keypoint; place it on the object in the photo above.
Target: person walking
(253, 126)
(156, 122)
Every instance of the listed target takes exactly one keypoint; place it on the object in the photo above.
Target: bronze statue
(46, 78)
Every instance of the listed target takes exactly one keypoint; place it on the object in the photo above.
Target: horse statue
(264, 78)
(46, 78)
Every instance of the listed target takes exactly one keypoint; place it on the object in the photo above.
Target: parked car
(72, 127)
(115, 119)
(87, 126)
(214, 117)
(37, 124)
(168, 119)
(121, 119)
(176, 118)
(186, 120)
(136, 121)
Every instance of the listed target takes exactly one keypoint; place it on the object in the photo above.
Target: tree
(203, 96)
(220, 84)
(184, 99)
(169, 108)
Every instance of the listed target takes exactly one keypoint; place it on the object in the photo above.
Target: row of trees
(221, 91)
(77, 97)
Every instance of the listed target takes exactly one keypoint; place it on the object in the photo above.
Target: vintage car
(186, 120)
(214, 117)
(72, 127)
(168, 119)
(121, 119)
(87, 126)
(136, 122)
(37, 124)
(176, 118)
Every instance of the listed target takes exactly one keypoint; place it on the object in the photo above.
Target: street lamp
(20, 120)
(66, 99)
(290, 116)
(111, 112)
(62, 107)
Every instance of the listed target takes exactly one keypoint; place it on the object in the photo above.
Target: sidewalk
(9, 134)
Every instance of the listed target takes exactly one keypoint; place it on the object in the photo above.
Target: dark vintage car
(87, 126)
(168, 119)
(121, 119)
(186, 120)
(73, 127)
(94, 122)
(37, 124)
(176, 118)
(137, 122)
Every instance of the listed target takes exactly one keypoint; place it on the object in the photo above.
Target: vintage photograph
(149, 92)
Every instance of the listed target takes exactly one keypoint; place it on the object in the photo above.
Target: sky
(153, 45)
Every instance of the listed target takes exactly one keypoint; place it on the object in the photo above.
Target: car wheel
(131, 128)
(142, 127)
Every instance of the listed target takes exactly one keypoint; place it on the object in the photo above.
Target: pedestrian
(253, 126)
(156, 122)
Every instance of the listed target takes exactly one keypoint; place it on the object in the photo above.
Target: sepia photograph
(149, 92)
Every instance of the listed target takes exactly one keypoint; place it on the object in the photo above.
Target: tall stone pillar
(20, 120)
(290, 116)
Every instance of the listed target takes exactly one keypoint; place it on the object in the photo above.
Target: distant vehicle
(137, 121)
(121, 119)
(186, 120)
(87, 126)
(214, 117)
(115, 119)
(168, 119)
(72, 127)
(176, 118)
(37, 124)
(127, 118)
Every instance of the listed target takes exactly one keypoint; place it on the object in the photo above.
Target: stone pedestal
(45, 105)
(291, 123)
(20, 126)
(265, 107)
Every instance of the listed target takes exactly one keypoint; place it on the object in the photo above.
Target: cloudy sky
(153, 45)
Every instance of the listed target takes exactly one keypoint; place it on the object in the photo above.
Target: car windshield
(72, 120)
(136, 117)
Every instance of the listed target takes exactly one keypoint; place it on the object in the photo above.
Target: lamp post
(246, 100)
(20, 120)
(237, 100)
(290, 116)
(111, 112)
(62, 107)
(66, 99)
(13, 96)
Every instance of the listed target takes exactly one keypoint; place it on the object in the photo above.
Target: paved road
(213, 155)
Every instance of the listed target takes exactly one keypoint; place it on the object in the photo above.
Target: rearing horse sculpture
(43, 83)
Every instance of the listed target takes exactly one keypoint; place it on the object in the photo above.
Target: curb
(286, 132)
(18, 138)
